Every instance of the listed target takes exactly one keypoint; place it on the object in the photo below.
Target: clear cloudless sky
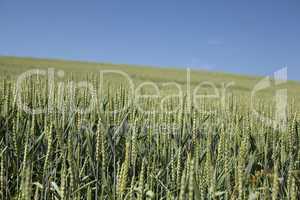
(249, 37)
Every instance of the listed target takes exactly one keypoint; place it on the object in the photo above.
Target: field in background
(15, 66)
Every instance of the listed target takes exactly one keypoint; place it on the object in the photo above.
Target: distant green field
(242, 84)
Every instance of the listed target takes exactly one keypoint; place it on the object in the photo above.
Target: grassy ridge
(15, 65)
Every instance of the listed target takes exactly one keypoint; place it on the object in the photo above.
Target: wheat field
(150, 148)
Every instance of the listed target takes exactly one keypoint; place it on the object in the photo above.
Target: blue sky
(248, 37)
